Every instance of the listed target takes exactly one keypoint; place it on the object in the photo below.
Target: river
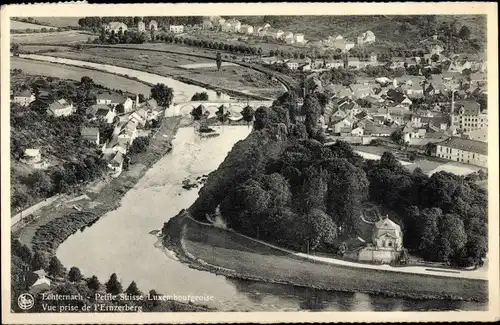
(120, 242)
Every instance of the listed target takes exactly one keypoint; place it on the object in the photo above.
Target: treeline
(444, 216)
(97, 22)
(221, 46)
(122, 37)
(282, 185)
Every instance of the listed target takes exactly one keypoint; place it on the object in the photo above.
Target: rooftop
(466, 145)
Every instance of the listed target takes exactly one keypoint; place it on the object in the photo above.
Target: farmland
(59, 21)
(67, 37)
(75, 73)
(236, 78)
(22, 25)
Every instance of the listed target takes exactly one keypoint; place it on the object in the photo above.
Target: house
(463, 150)
(37, 281)
(305, 67)
(345, 122)
(24, 97)
(386, 244)
(435, 49)
(153, 25)
(357, 132)
(139, 117)
(292, 64)
(299, 38)
(406, 102)
(397, 62)
(349, 45)
(367, 37)
(141, 26)
(467, 116)
(207, 24)
(288, 37)
(116, 163)
(90, 134)
(104, 112)
(60, 107)
(246, 29)
(478, 135)
(459, 66)
(113, 100)
(379, 130)
(116, 27)
(31, 156)
(176, 29)
(334, 64)
(128, 132)
(361, 91)
(410, 62)
(410, 132)
(274, 33)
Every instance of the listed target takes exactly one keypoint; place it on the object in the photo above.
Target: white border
(81, 10)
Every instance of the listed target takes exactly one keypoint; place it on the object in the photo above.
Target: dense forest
(282, 185)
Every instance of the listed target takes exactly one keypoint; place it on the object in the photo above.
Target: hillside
(385, 27)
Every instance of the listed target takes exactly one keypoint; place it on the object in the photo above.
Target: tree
(261, 118)
(133, 290)
(120, 109)
(464, 32)
(14, 48)
(218, 60)
(197, 113)
(55, 267)
(200, 96)
(113, 286)
(39, 261)
(248, 114)
(74, 274)
(398, 137)
(435, 58)
(162, 94)
(93, 283)
(312, 112)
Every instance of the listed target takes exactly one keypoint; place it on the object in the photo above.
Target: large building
(24, 98)
(177, 29)
(386, 245)
(466, 115)
(463, 150)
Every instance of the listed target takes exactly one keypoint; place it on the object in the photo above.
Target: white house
(177, 29)
(115, 99)
(141, 26)
(128, 132)
(60, 107)
(115, 26)
(357, 132)
(104, 112)
(367, 37)
(116, 163)
(246, 29)
(24, 98)
(344, 123)
(299, 38)
(153, 25)
(31, 156)
(288, 37)
(233, 25)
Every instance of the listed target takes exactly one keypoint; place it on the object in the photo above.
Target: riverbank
(52, 233)
(222, 252)
(238, 81)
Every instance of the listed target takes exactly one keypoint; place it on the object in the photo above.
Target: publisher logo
(25, 301)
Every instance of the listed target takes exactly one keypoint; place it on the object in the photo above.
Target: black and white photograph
(193, 163)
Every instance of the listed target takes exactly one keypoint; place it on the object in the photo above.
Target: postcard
(257, 163)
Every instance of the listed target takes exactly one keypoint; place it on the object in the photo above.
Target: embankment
(227, 253)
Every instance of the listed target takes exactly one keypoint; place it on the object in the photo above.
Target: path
(479, 274)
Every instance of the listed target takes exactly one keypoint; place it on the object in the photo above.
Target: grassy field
(236, 78)
(75, 73)
(59, 21)
(22, 25)
(67, 37)
(253, 260)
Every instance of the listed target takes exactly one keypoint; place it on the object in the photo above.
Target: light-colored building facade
(463, 150)
(24, 98)
(116, 26)
(60, 107)
(177, 29)
(467, 116)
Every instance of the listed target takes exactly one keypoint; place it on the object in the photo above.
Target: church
(386, 244)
